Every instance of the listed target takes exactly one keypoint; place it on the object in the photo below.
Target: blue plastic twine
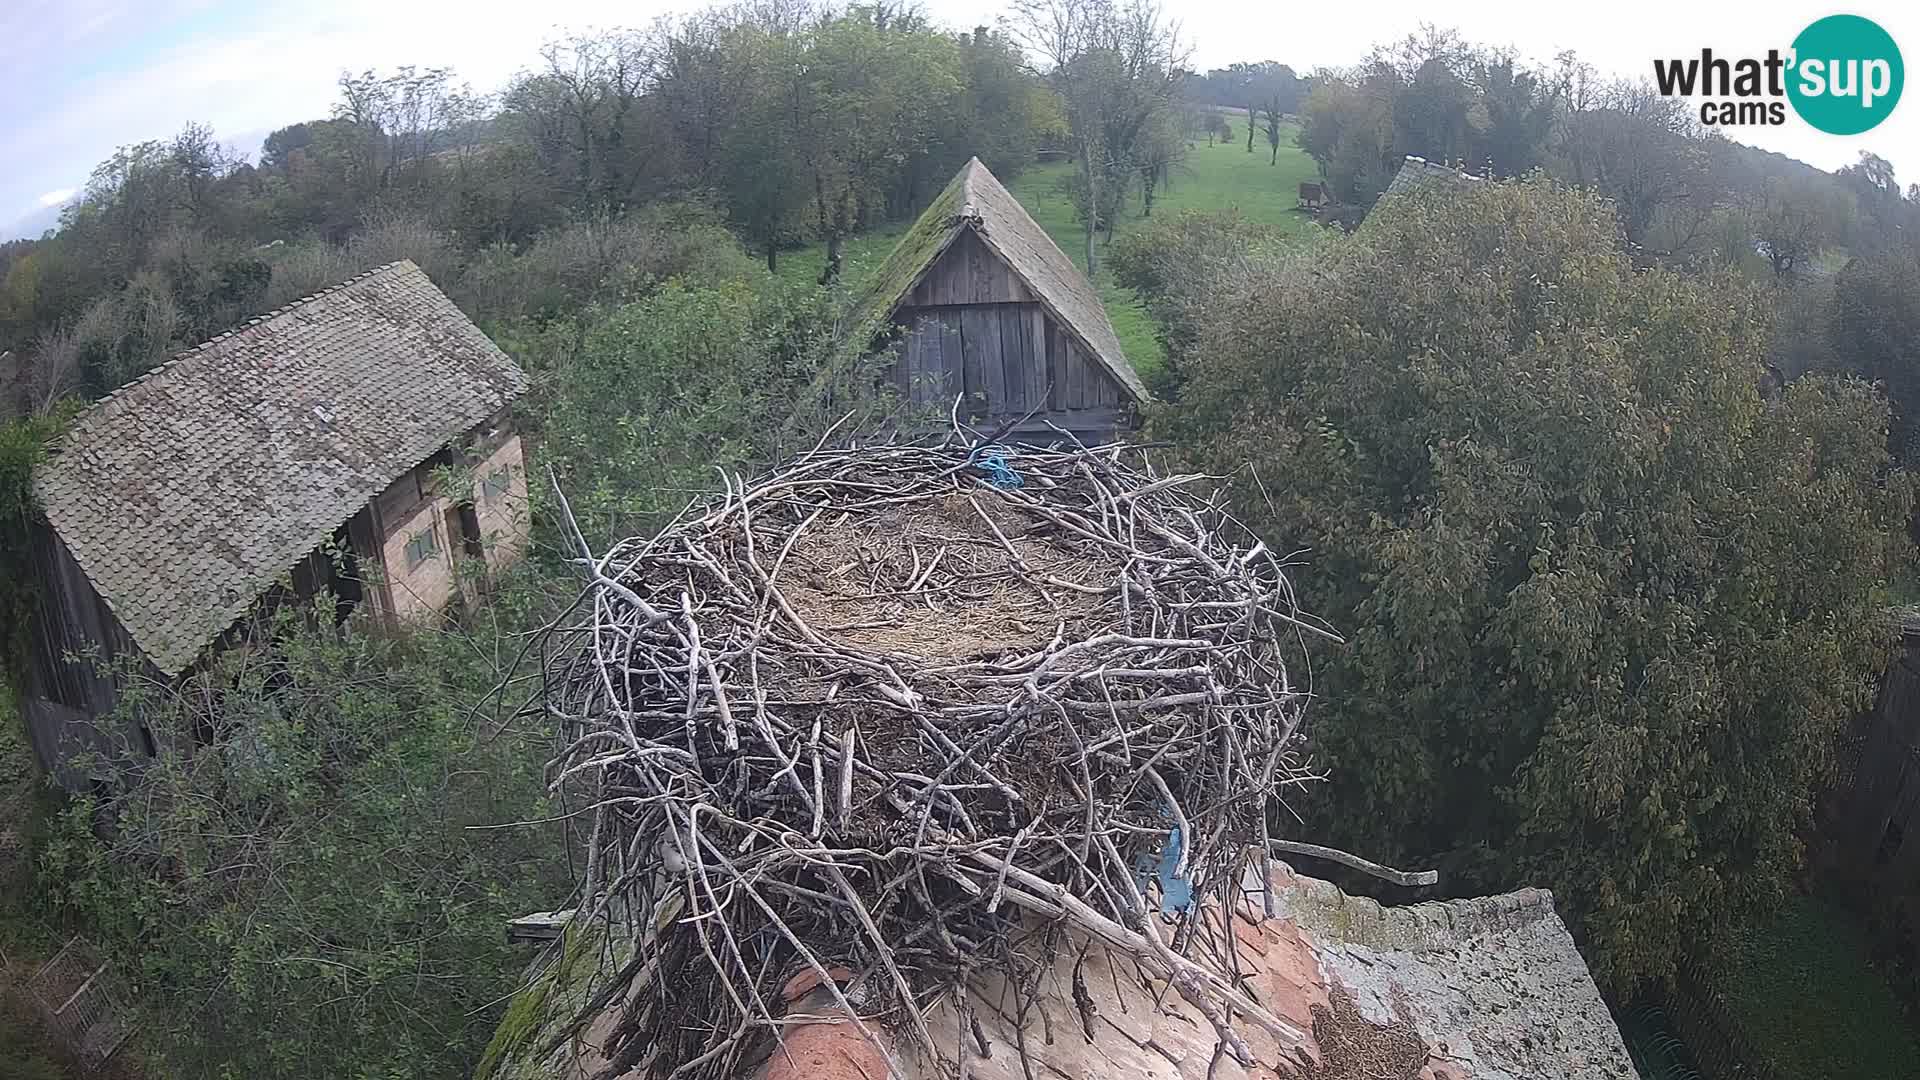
(991, 458)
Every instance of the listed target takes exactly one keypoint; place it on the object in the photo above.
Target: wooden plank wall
(1007, 358)
(79, 653)
(974, 328)
(1875, 835)
(969, 273)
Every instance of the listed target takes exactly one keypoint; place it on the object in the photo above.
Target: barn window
(422, 546)
(496, 484)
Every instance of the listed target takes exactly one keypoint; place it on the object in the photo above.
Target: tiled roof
(1417, 173)
(1490, 988)
(1493, 985)
(975, 199)
(184, 494)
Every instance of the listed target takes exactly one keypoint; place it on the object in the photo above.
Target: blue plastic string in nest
(991, 458)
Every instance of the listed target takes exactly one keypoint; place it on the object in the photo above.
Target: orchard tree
(1607, 611)
(1117, 68)
(1272, 117)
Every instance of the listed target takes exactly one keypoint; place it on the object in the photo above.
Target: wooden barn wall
(1872, 827)
(969, 273)
(972, 328)
(79, 652)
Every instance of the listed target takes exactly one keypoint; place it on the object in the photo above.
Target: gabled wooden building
(1417, 174)
(987, 309)
(308, 452)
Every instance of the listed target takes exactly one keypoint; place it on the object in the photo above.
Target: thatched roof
(184, 494)
(976, 200)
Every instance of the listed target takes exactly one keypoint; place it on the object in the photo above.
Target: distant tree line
(1838, 248)
(1270, 93)
(791, 122)
(1683, 193)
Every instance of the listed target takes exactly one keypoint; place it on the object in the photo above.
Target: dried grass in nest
(1353, 1047)
(871, 712)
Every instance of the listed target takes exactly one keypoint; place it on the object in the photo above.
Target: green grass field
(1801, 989)
(1219, 177)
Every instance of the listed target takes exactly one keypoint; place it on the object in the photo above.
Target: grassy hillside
(1219, 177)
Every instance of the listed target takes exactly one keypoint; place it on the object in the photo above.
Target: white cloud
(56, 196)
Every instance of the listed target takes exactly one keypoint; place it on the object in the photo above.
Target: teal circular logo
(1846, 75)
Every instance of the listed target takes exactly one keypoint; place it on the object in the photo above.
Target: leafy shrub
(1607, 610)
(311, 879)
(605, 260)
(643, 404)
(1178, 266)
(304, 268)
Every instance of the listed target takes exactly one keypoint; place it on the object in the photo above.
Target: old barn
(988, 310)
(355, 443)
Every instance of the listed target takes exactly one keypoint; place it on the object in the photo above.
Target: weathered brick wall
(411, 505)
(424, 589)
(504, 518)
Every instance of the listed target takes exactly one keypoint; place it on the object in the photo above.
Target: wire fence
(80, 999)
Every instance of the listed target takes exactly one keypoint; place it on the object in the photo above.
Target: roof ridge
(1426, 924)
(234, 331)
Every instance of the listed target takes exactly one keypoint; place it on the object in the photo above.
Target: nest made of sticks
(899, 712)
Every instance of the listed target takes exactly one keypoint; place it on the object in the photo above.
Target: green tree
(585, 118)
(1645, 153)
(1437, 113)
(1875, 324)
(877, 86)
(1519, 106)
(1346, 126)
(311, 879)
(1795, 219)
(1117, 68)
(1607, 611)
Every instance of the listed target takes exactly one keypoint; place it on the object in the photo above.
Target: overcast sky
(80, 77)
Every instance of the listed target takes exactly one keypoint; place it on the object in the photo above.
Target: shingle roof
(976, 200)
(184, 494)
(1417, 173)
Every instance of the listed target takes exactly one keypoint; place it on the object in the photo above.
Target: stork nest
(877, 718)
